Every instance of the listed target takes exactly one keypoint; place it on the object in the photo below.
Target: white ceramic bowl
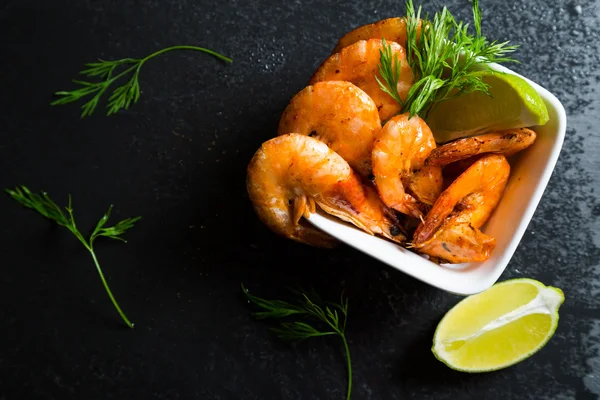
(530, 171)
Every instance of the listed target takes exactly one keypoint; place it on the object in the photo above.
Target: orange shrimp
(399, 153)
(290, 175)
(450, 231)
(507, 142)
(392, 29)
(341, 115)
(359, 63)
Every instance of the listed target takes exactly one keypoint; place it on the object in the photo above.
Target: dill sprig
(442, 58)
(45, 206)
(389, 69)
(122, 96)
(332, 316)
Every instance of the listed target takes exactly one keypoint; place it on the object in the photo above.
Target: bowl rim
(360, 240)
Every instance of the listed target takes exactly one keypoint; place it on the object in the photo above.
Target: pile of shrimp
(343, 147)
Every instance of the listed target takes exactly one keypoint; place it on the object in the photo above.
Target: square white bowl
(530, 171)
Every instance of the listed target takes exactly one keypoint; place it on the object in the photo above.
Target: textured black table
(178, 158)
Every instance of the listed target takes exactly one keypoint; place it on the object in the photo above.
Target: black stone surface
(178, 158)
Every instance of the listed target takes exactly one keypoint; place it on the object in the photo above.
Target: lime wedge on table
(498, 327)
(513, 103)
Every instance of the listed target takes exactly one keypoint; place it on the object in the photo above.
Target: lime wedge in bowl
(498, 327)
(512, 103)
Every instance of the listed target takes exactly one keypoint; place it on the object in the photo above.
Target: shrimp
(359, 63)
(450, 231)
(399, 153)
(292, 174)
(507, 142)
(392, 29)
(339, 114)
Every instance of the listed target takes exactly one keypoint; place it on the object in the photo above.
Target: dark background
(178, 159)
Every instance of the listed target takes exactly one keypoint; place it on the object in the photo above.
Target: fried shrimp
(339, 114)
(358, 63)
(507, 142)
(290, 175)
(399, 153)
(450, 231)
(392, 29)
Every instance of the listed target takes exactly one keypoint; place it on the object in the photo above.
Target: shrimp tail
(345, 217)
(360, 205)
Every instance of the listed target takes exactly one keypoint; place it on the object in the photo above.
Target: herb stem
(349, 367)
(185, 47)
(108, 291)
(116, 77)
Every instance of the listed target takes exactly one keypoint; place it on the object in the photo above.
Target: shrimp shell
(392, 29)
(450, 231)
(507, 142)
(359, 63)
(338, 113)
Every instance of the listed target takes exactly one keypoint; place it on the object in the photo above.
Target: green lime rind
(512, 103)
(555, 319)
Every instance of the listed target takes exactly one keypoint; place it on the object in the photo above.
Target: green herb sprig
(389, 69)
(442, 59)
(332, 316)
(46, 207)
(124, 95)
